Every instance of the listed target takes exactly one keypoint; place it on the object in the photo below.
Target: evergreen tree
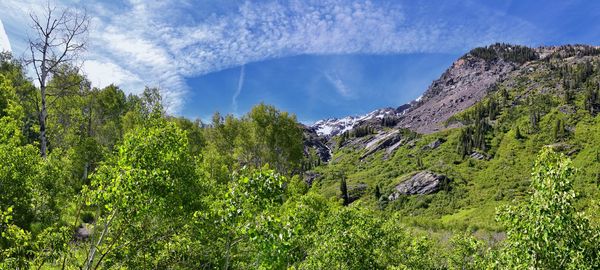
(559, 130)
(592, 98)
(518, 134)
(344, 190)
(377, 192)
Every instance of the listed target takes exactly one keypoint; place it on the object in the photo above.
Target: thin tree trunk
(90, 261)
(227, 253)
(43, 115)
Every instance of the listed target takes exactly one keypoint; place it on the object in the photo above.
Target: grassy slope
(479, 186)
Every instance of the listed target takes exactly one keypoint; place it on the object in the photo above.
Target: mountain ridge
(459, 87)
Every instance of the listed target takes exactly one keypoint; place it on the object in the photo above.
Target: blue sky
(317, 59)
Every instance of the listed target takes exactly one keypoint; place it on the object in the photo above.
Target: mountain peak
(334, 126)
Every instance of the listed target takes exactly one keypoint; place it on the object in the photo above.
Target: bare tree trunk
(43, 117)
(58, 39)
(94, 248)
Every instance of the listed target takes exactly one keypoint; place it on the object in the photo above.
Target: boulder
(381, 141)
(479, 156)
(309, 177)
(424, 182)
(433, 145)
(81, 233)
(356, 191)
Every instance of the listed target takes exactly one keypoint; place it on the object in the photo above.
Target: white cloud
(102, 74)
(4, 42)
(339, 85)
(160, 43)
(239, 88)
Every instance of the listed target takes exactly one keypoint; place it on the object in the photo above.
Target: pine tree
(559, 129)
(344, 190)
(377, 192)
(518, 134)
(465, 142)
(420, 163)
(592, 98)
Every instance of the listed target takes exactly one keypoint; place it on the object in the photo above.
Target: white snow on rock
(334, 126)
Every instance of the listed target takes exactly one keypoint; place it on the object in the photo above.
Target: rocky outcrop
(381, 141)
(319, 144)
(424, 182)
(433, 145)
(466, 82)
(310, 177)
(479, 156)
(81, 233)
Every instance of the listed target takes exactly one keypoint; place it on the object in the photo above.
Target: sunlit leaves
(547, 232)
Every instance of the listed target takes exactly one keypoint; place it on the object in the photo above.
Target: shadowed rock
(381, 141)
(424, 182)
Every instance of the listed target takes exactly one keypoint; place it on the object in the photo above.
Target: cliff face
(467, 81)
(462, 85)
(472, 76)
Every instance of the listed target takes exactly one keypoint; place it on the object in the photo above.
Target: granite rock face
(314, 141)
(466, 82)
(424, 182)
(381, 141)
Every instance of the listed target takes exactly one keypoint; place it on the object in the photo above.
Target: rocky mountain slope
(333, 126)
(466, 147)
(462, 85)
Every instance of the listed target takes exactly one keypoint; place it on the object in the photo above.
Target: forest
(125, 185)
(94, 178)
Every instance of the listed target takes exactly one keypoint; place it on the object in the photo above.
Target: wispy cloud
(164, 42)
(4, 42)
(238, 91)
(339, 85)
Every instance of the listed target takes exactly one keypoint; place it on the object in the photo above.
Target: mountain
(333, 126)
(458, 88)
(467, 145)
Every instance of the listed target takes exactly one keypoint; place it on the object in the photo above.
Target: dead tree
(59, 37)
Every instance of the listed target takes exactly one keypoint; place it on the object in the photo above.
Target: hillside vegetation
(487, 149)
(126, 186)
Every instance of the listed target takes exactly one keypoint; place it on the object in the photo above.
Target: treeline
(579, 50)
(579, 81)
(123, 183)
(507, 52)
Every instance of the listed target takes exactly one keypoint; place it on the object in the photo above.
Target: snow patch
(335, 126)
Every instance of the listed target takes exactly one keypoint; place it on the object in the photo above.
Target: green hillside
(550, 102)
(124, 185)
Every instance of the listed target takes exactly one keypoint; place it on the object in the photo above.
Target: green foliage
(559, 130)
(347, 239)
(15, 242)
(507, 52)
(264, 136)
(127, 186)
(518, 134)
(151, 179)
(547, 232)
(244, 218)
(466, 252)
